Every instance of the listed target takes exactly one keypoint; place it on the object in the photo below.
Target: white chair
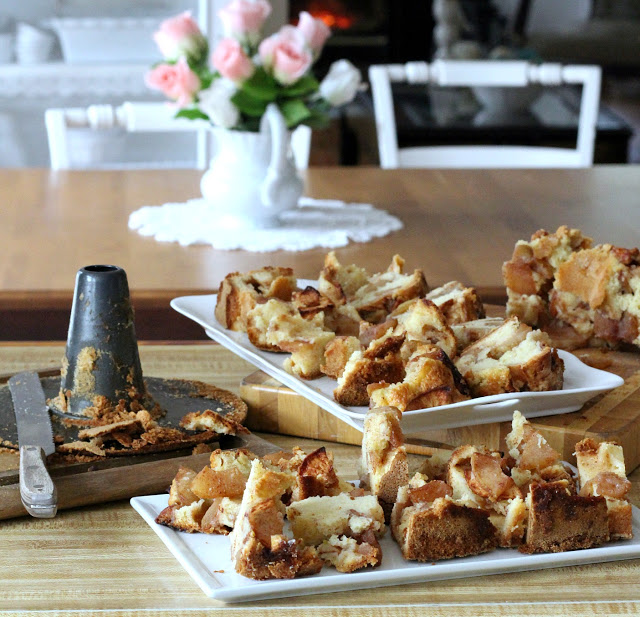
(139, 118)
(480, 73)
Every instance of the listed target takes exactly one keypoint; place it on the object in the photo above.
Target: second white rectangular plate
(581, 383)
(207, 560)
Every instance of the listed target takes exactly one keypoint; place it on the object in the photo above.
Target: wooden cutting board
(613, 416)
(122, 477)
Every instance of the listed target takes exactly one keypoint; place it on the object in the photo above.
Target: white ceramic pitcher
(252, 177)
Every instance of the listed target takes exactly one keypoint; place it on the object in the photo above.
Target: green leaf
(305, 85)
(261, 86)
(248, 104)
(191, 114)
(294, 111)
(317, 120)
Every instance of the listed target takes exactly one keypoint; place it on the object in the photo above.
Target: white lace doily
(315, 223)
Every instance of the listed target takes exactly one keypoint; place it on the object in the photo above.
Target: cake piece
(342, 319)
(386, 291)
(559, 520)
(428, 525)
(337, 354)
(430, 380)
(478, 480)
(379, 362)
(470, 331)
(383, 466)
(346, 528)
(259, 548)
(596, 295)
(210, 420)
(533, 458)
(315, 476)
(208, 501)
(239, 293)
(185, 510)
(601, 472)
(457, 303)
(311, 474)
(422, 322)
(348, 554)
(226, 475)
(277, 326)
(530, 273)
(338, 282)
(511, 358)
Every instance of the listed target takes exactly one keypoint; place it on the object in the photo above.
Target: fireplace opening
(371, 31)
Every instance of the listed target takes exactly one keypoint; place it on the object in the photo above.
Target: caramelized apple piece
(487, 478)
(536, 453)
(607, 484)
(430, 491)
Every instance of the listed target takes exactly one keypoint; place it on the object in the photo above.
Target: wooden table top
(458, 224)
(106, 557)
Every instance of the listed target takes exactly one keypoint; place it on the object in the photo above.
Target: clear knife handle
(37, 490)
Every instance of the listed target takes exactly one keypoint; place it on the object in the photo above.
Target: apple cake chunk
(601, 472)
(429, 525)
(511, 358)
(239, 293)
(383, 464)
(259, 547)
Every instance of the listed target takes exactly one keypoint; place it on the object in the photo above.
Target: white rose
(216, 103)
(341, 83)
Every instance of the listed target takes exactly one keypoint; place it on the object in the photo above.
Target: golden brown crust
(384, 467)
(360, 372)
(444, 530)
(560, 521)
(430, 380)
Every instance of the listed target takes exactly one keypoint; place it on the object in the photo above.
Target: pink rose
(176, 81)
(243, 19)
(181, 36)
(286, 54)
(229, 58)
(315, 32)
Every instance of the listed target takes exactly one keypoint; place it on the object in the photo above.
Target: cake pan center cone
(101, 369)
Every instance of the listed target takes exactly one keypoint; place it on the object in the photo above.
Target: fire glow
(332, 13)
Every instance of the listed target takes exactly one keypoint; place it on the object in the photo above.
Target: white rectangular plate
(207, 559)
(581, 383)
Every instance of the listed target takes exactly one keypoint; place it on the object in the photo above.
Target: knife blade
(35, 438)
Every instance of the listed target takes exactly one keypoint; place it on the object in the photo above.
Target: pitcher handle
(274, 122)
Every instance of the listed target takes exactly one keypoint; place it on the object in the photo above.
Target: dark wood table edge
(44, 315)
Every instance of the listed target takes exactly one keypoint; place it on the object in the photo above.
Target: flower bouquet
(247, 72)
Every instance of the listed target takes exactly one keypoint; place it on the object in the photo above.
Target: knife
(35, 438)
